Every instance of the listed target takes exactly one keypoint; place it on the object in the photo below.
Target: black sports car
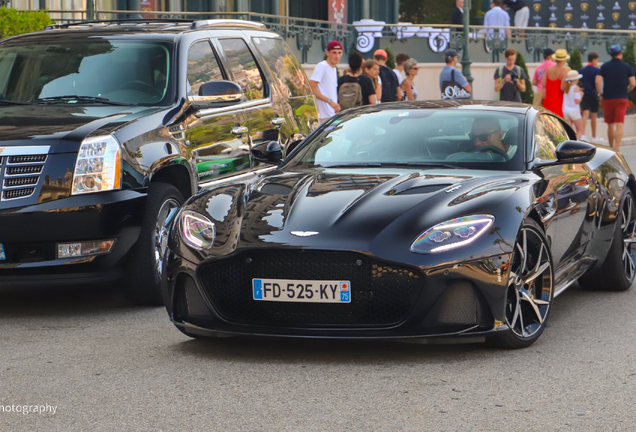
(406, 220)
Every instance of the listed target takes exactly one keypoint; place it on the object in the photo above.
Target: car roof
(170, 28)
(457, 104)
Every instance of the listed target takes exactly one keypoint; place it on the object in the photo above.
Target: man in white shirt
(399, 69)
(324, 82)
(497, 17)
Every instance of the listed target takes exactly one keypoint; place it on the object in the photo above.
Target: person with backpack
(510, 79)
(387, 79)
(355, 89)
(452, 82)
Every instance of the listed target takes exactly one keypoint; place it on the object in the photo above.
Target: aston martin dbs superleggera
(405, 220)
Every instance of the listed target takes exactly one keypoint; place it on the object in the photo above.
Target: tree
(528, 95)
(432, 12)
(390, 60)
(575, 61)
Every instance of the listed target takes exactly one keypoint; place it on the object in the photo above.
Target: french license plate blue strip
(3, 256)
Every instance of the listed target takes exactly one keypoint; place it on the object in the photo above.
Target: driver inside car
(487, 132)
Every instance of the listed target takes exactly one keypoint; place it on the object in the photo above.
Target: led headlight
(452, 234)
(196, 230)
(98, 166)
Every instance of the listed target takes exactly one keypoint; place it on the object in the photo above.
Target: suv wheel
(146, 268)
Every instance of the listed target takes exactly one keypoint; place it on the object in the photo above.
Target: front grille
(20, 171)
(381, 295)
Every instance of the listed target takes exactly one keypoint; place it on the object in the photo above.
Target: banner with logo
(338, 11)
(595, 14)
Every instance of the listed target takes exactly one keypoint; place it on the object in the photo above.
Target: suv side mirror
(217, 93)
(268, 152)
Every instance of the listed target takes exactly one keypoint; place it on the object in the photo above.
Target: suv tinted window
(244, 67)
(548, 134)
(121, 71)
(203, 66)
(284, 66)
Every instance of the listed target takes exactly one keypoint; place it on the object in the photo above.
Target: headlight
(196, 230)
(452, 234)
(98, 166)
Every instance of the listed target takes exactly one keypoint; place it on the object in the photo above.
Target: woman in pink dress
(553, 83)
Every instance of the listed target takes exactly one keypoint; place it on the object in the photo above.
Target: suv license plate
(304, 291)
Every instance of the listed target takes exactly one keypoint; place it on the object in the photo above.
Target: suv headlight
(452, 234)
(196, 230)
(98, 166)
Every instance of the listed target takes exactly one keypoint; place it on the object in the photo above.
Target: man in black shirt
(457, 17)
(356, 77)
(521, 11)
(617, 79)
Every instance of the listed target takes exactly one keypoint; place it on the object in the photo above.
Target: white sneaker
(583, 138)
(597, 140)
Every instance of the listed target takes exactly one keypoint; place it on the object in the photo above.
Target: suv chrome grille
(20, 169)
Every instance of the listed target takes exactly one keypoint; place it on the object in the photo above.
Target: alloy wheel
(628, 225)
(161, 232)
(530, 284)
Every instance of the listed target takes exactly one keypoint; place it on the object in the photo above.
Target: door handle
(279, 121)
(240, 130)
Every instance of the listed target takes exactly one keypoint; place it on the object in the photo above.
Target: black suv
(106, 128)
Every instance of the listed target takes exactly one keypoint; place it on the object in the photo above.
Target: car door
(213, 135)
(571, 194)
(263, 122)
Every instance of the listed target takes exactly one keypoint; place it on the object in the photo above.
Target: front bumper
(459, 300)
(30, 235)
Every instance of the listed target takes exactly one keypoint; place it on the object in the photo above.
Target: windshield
(129, 72)
(418, 137)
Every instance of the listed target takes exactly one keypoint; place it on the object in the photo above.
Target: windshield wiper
(80, 99)
(9, 102)
(354, 165)
(420, 164)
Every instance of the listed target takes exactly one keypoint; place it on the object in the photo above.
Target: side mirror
(570, 152)
(217, 93)
(268, 152)
(575, 152)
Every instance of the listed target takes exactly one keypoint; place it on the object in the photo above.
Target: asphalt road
(105, 365)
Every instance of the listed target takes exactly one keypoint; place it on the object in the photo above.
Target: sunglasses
(482, 136)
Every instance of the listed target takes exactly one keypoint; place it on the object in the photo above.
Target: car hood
(365, 210)
(61, 126)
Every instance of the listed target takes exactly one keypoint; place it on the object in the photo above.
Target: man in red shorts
(617, 80)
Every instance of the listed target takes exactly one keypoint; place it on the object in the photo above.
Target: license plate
(304, 291)
(3, 256)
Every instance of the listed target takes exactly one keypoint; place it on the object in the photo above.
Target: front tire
(145, 269)
(530, 289)
(618, 270)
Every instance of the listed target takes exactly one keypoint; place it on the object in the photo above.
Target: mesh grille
(17, 193)
(381, 295)
(18, 172)
(30, 169)
(20, 181)
(27, 159)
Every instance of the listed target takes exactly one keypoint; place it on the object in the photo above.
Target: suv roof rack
(194, 24)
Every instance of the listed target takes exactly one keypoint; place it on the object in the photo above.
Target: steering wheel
(141, 86)
(493, 149)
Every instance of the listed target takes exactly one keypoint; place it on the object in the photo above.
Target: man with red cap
(324, 82)
(387, 78)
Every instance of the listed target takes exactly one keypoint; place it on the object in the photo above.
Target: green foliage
(390, 61)
(433, 12)
(14, 22)
(628, 55)
(630, 58)
(528, 95)
(575, 62)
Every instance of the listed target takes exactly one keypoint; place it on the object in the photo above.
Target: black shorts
(589, 103)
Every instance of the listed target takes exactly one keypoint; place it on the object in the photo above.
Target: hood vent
(424, 189)
(20, 169)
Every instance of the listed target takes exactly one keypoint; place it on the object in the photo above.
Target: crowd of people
(573, 95)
